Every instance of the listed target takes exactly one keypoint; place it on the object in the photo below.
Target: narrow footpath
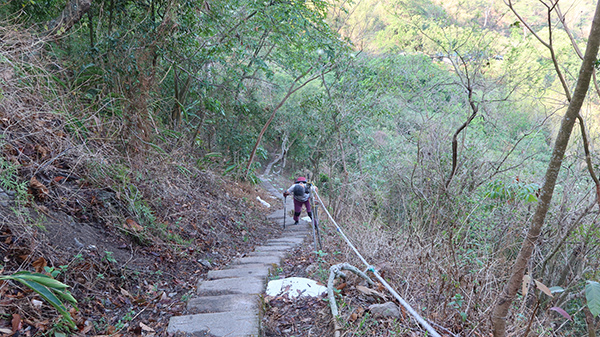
(227, 301)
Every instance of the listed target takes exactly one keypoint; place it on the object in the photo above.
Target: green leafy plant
(516, 190)
(9, 179)
(48, 288)
(457, 302)
(127, 318)
(321, 256)
(53, 271)
(108, 256)
(592, 296)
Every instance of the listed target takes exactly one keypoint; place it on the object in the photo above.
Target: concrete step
(223, 303)
(260, 272)
(273, 248)
(280, 254)
(227, 286)
(231, 324)
(301, 226)
(276, 215)
(267, 260)
(292, 240)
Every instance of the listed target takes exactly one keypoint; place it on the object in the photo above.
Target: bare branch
(72, 13)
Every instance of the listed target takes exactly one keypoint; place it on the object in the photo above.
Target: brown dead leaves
(371, 293)
(288, 317)
(133, 226)
(39, 264)
(37, 189)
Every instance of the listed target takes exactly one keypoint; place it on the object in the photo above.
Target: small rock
(388, 309)
(311, 268)
(78, 244)
(4, 198)
(205, 263)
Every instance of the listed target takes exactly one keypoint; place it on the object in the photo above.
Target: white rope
(418, 317)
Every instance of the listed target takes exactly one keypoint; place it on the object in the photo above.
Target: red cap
(301, 180)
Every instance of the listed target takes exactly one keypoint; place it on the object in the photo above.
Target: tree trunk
(72, 13)
(589, 320)
(92, 42)
(262, 133)
(291, 90)
(507, 296)
(337, 206)
(179, 98)
(284, 149)
(474, 110)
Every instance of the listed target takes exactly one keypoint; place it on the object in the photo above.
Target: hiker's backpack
(299, 190)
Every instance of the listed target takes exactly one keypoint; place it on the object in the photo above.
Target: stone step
(266, 260)
(231, 324)
(276, 215)
(223, 303)
(248, 265)
(302, 224)
(280, 254)
(274, 248)
(293, 240)
(261, 272)
(227, 286)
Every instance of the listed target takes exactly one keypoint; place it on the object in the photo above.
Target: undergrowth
(123, 224)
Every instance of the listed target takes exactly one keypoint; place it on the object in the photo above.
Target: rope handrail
(407, 306)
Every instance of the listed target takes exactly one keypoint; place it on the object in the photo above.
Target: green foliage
(49, 289)
(128, 317)
(9, 179)
(592, 296)
(516, 190)
(54, 272)
(108, 257)
(36, 10)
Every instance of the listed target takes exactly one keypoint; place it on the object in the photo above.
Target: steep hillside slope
(129, 232)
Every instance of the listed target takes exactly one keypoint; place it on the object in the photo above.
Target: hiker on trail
(302, 191)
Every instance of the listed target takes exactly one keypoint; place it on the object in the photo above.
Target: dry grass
(450, 282)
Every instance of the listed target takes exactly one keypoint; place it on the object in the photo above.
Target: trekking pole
(315, 228)
(284, 202)
(316, 224)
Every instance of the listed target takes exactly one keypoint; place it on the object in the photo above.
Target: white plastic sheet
(294, 287)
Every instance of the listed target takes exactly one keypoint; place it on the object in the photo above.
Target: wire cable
(407, 306)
